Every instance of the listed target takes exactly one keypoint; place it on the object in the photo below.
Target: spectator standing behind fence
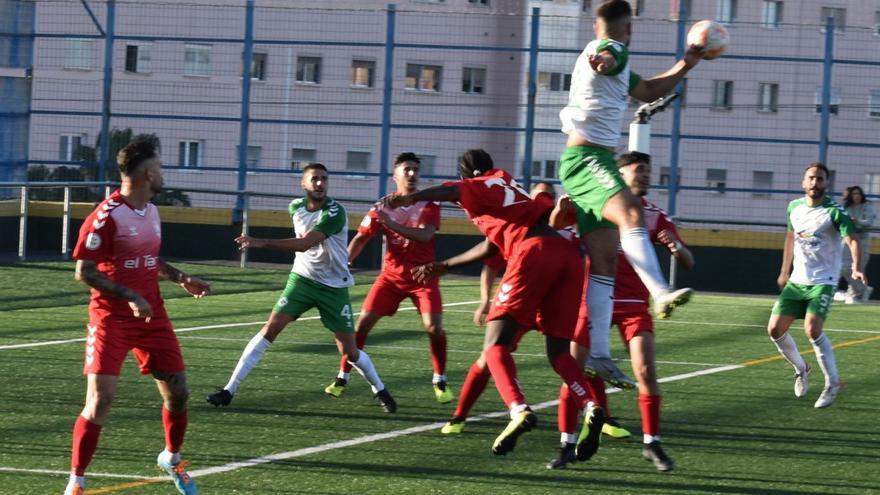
(862, 213)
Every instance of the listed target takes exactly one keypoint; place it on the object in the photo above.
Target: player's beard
(316, 196)
(816, 192)
(156, 187)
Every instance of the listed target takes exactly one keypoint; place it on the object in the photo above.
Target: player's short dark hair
(474, 162)
(821, 166)
(542, 183)
(614, 10)
(407, 156)
(315, 166)
(633, 157)
(134, 154)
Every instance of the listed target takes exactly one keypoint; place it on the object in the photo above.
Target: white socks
(646, 439)
(639, 251)
(789, 351)
(364, 366)
(568, 437)
(343, 375)
(825, 356)
(251, 355)
(438, 378)
(600, 302)
(516, 409)
(172, 458)
(74, 482)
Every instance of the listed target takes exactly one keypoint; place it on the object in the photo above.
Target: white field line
(716, 324)
(203, 327)
(65, 473)
(257, 461)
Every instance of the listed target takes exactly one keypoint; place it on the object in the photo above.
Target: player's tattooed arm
(88, 273)
(436, 193)
(194, 285)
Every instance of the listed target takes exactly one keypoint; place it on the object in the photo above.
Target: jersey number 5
(510, 190)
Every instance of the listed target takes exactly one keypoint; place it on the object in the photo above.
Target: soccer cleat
(605, 369)
(829, 393)
(839, 296)
(442, 392)
(75, 488)
(182, 480)
(386, 401)
(801, 381)
(565, 456)
(506, 441)
(668, 301)
(591, 431)
(613, 429)
(654, 453)
(337, 388)
(221, 397)
(454, 426)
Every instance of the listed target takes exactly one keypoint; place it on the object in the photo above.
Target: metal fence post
(247, 59)
(245, 226)
(675, 134)
(104, 152)
(387, 94)
(530, 102)
(65, 224)
(22, 224)
(825, 117)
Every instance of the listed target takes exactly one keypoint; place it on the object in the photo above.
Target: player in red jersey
(543, 282)
(409, 239)
(118, 257)
(631, 313)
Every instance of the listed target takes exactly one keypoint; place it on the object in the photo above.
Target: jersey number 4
(510, 190)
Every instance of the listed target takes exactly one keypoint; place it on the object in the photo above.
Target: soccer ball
(713, 37)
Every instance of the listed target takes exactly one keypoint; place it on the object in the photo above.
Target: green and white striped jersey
(817, 234)
(327, 261)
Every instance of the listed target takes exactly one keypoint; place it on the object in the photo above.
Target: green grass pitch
(736, 430)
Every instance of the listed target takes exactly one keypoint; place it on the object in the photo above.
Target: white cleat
(801, 381)
(829, 393)
(839, 296)
(668, 301)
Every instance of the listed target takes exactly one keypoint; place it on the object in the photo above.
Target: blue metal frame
(826, 90)
(107, 89)
(247, 59)
(534, 40)
(680, 41)
(387, 95)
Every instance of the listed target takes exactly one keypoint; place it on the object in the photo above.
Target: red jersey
(124, 242)
(404, 254)
(628, 287)
(499, 207)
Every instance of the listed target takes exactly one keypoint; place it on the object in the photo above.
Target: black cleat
(221, 397)
(591, 433)
(652, 452)
(386, 401)
(565, 456)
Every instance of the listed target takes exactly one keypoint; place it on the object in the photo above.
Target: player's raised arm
(197, 287)
(448, 193)
(88, 273)
(662, 84)
(422, 233)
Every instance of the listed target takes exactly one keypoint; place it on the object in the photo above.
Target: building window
(666, 176)
(587, 6)
(716, 178)
(362, 73)
(544, 169)
(300, 157)
(762, 180)
(357, 160)
(197, 60)
(308, 70)
(874, 103)
(771, 14)
(68, 151)
(834, 102)
(473, 80)
(138, 58)
(423, 77)
(839, 15)
(427, 165)
(674, 8)
(554, 81)
(877, 23)
(638, 7)
(479, 2)
(768, 97)
(190, 154)
(253, 156)
(258, 66)
(872, 183)
(722, 95)
(79, 53)
(725, 11)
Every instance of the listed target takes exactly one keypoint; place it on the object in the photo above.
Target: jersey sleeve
(545, 202)
(634, 80)
(96, 235)
(618, 51)
(468, 195)
(788, 216)
(495, 262)
(430, 215)
(369, 226)
(842, 220)
(332, 219)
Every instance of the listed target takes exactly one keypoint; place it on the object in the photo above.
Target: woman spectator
(862, 213)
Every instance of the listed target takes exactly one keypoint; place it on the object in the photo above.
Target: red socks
(361, 340)
(175, 429)
(573, 376)
(438, 353)
(649, 405)
(503, 370)
(85, 442)
(568, 413)
(596, 387)
(473, 386)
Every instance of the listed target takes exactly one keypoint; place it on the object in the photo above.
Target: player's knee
(99, 402)
(177, 400)
(645, 374)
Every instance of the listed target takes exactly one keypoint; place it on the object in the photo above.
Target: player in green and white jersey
(815, 225)
(319, 278)
(607, 212)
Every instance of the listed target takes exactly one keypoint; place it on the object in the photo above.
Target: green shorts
(797, 300)
(302, 294)
(590, 177)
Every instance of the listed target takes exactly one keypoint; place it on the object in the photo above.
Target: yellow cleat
(337, 388)
(522, 423)
(452, 428)
(442, 392)
(614, 430)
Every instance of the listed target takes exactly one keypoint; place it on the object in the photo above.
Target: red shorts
(543, 283)
(632, 319)
(155, 349)
(386, 294)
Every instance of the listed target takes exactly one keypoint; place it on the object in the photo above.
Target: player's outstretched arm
(197, 287)
(356, 246)
(436, 193)
(436, 269)
(787, 258)
(853, 244)
(304, 243)
(422, 233)
(662, 84)
(88, 273)
(681, 252)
